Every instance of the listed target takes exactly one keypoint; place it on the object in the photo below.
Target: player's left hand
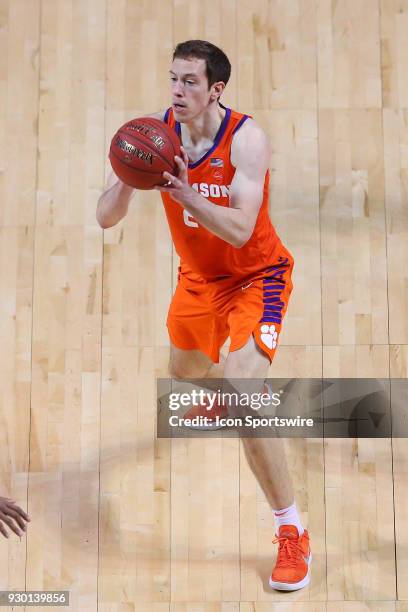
(177, 186)
(13, 516)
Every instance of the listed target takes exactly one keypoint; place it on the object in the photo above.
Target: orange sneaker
(208, 416)
(292, 569)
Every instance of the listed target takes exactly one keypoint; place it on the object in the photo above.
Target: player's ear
(217, 88)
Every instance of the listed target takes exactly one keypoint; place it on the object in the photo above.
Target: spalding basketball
(141, 150)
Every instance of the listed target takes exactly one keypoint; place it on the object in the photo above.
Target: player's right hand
(13, 516)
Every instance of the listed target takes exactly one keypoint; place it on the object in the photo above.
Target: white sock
(288, 516)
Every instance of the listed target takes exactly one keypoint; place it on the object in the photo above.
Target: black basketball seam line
(148, 119)
(158, 153)
(131, 167)
(152, 151)
(170, 128)
(153, 120)
(171, 142)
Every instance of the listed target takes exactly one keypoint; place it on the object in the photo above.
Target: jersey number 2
(189, 219)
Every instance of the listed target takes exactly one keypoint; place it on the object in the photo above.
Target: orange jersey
(202, 252)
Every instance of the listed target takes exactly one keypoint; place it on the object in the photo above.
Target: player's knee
(180, 370)
(175, 371)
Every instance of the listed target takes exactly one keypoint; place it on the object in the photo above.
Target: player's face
(189, 88)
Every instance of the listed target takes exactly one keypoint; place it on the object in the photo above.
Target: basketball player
(13, 516)
(235, 274)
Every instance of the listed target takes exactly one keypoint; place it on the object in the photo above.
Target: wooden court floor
(124, 521)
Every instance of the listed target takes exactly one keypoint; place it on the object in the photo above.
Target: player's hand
(177, 186)
(13, 516)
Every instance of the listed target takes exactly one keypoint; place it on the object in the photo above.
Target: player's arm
(250, 153)
(113, 204)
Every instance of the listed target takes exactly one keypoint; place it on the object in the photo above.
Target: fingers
(182, 164)
(3, 530)
(185, 156)
(13, 516)
(169, 177)
(173, 180)
(18, 518)
(23, 514)
(10, 523)
(17, 509)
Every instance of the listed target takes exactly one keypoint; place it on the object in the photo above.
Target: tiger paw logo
(269, 336)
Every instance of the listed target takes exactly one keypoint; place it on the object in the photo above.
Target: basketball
(141, 150)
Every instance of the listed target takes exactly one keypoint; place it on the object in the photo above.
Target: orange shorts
(204, 313)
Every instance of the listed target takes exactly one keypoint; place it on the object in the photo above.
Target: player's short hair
(218, 67)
